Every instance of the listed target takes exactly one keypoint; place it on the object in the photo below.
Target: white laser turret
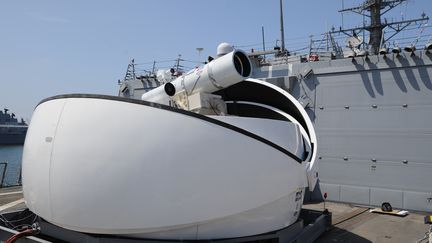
(220, 73)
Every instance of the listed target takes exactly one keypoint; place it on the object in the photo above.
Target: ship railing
(326, 47)
(329, 45)
(336, 41)
(18, 126)
(14, 177)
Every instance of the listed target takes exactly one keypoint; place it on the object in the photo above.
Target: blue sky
(52, 47)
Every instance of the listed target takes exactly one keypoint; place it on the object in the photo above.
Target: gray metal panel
(390, 87)
(375, 196)
(383, 174)
(421, 201)
(379, 195)
(332, 190)
(270, 71)
(373, 122)
(373, 111)
(282, 82)
(354, 194)
(414, 119)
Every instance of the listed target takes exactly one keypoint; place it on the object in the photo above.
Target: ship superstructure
(369, 93)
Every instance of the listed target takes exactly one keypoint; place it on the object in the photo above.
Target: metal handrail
(20, 177)
(5, 164)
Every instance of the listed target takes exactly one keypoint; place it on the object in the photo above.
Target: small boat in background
(12, 131)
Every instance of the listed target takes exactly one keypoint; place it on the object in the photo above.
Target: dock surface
(11, 199)
(350, 223)
(356, 224)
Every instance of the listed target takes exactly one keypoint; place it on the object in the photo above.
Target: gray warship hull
(372, 116)
(12, 135)
(12, 131)
(371, 107)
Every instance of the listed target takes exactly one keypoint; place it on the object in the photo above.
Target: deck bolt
(405, 161)
(374, 106)
(346, 107)
(405, 105)
(321, 108)
(345, 158)
(374, 160)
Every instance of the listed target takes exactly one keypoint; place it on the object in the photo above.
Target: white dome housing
(165, 172)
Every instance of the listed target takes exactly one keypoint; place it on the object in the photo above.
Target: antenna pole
(154, 66)
(263, 39)
(342, 15)
(133, 69)
(199, 50)
(376, 27)
(282, 27)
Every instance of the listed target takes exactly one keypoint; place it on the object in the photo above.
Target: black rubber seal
(173, 109)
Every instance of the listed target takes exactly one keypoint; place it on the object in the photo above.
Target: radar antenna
(374, 9)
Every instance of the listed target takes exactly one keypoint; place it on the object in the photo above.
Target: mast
(177, 65)
(374, 9)
(282, 27)
(130, 72)
(376, 28)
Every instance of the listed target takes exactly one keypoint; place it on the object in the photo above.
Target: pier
(350, 223)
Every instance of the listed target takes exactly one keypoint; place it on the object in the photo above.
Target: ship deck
(351, 223)
(355, 224)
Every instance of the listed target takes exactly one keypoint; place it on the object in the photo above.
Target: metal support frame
(307, 229)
